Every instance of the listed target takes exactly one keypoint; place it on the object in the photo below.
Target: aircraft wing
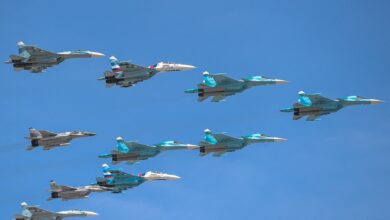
(314, 117)
(218, 154)
(36, 51)
(136, 146)
(225, 138)
(130, 67)
(222, 79)
(318, 99)
(49, 147)
(38, 211)
(202, 98)
(68, 188)
(130, 82)
(38, 68)
(21, 217)
(218, 98)
(47, 133)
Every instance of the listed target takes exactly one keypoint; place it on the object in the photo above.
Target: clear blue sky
(337, 168)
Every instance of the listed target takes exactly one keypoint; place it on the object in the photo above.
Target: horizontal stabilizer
(109, 74)
(16, 58)
(115, 152)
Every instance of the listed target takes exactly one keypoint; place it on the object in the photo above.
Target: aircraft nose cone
(185, 67)
(280, 139)
(91, 214)
(96, 54)
(280, 81)
(90, 134)
(172, 177)
(375, 101)
(160, 176)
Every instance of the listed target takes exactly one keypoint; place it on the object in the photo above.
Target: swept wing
(222, 79)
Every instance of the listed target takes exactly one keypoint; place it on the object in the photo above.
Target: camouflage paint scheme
(314, 105)
(219, 86)
(220, 143)
(36, 60)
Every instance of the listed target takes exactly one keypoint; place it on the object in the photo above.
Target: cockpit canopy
(257, 78)
(255, 136)
(353, 98)
(169, 143)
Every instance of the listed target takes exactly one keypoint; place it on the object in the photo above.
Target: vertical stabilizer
(121, 145)
(115, 67)
(54, 187)
(208, 137)
(34, 134)
(25, 212)
(303, 99)
(21, 44)
(107, 174)
(208, 80)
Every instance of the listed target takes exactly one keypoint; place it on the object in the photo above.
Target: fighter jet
(132, 152)
(126, 74)
(49, 140)
(220, 86)
(36, 60)
(35, 213)
(314, 105)
(117, 180)
(220, 143)
(68, 192)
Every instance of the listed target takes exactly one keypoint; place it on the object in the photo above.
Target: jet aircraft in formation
(69, 192)
(126, 74)
(219, 86)
(117, 180)
(220, 143)
(314, 105)
(132, 152)
(36, 60)
(35, 213)
(49, 140)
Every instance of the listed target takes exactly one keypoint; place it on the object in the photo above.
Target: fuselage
(75, 213)
(300, 109)
(60, 139)
(120, 183)
(71, 194)
(134, 156)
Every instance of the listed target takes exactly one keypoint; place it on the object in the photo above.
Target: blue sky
(336, 168)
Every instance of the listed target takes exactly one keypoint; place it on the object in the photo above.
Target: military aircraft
(36, 60)
(220, 86)
(126, 74)
(69, 192)
(35, 213)
(132, 152)
(49, 140)
(314, 105)
(220, 143)
(117, 180)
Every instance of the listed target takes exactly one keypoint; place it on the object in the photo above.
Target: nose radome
(280, 139)
(91, 213)
(186, 67)
(96, 54)
(280, 81)
(89, 133)
(376, 101)
(172, 177)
